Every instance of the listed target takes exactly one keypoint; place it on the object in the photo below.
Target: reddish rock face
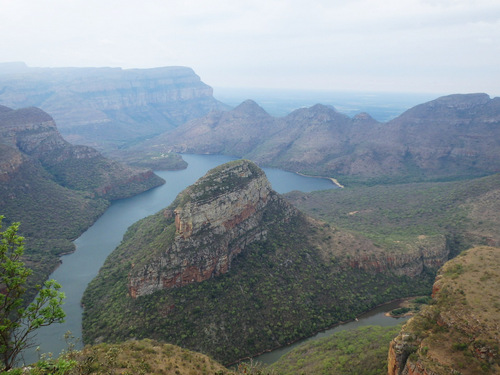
(220, 215)
(31, 135)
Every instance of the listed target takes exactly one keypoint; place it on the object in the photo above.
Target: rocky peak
(238, 189)
(463, 106)
(5, 109)
(31, 130)
(214, 220)
(318, 113)
(364, 117)
(462, 101)
(250, 108)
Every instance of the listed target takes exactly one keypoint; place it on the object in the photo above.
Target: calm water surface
(374, 317)
(93, 246)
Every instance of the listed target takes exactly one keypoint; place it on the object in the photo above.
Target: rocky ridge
(56, 190)
(215, 219)
(450, 137)
(107, 108)
(459, 332)
(33, 132)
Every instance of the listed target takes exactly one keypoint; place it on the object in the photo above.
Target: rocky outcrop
(33, 133)
(213, 221)
(459, 333)
(109, 107)
(56, 190)
(425, 253)
(231, 265)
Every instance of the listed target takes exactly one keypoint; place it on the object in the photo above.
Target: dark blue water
(93, 246)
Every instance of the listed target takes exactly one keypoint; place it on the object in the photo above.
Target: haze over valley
(215, 182)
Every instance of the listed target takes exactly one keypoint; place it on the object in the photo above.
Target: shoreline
(252, 357)
(333, 180)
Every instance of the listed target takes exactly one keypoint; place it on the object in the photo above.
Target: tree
(17, 318)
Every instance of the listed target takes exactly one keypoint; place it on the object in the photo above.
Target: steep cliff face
(215, 219)
(109, 107)
(54, 189)
(426, 253)
(459, 332)
(231, 269)
(34, 133)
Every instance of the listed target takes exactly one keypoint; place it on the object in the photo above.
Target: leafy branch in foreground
(17, 322)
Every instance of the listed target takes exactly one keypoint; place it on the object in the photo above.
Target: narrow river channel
(93, 246)
(376, 316)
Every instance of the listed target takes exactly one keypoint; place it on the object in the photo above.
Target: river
(376, 316)
(93, 246)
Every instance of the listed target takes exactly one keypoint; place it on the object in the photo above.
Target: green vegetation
(297, 281)
(57, 194)
(400, 311)
(17, 323)
(459, 330)
(361, 351)
(131, 357)
(277, 291)
(103, 177)
(213, 184)
(51, 217)
(157, 161)
(399, 214)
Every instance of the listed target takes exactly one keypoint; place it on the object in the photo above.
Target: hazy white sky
(442, 46)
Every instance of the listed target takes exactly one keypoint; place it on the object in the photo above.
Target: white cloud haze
(442, 46)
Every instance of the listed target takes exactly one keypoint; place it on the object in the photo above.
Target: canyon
(55, 189)
(217, 263)
(108, 108)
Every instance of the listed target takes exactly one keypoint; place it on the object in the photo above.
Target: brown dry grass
(461, 330)
(144, 357)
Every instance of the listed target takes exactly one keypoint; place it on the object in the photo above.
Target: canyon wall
(215, 219)
(107, 108)
(459, 332)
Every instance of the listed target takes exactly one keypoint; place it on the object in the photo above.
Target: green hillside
(395, 214)
(361, 351)
(301, 278)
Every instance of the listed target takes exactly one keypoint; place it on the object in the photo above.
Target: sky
(427, 46)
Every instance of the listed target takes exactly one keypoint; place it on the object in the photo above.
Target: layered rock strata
(34, 133)
(215, 219)
(109, 107)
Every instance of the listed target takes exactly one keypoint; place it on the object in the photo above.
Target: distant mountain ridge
(108, 108)
(56, 190)
(451, 137)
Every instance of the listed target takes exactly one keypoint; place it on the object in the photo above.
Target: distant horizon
(252, 88)
(445, 46)
(383, 106)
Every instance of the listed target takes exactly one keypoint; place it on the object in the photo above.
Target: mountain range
(452, 137)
